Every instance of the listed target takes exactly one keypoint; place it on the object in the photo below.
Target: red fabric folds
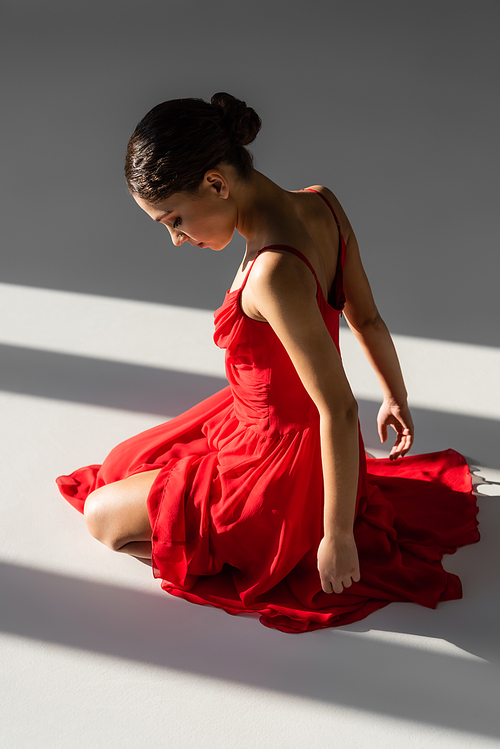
(236, 510)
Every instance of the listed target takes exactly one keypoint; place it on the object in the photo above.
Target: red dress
(237, 508)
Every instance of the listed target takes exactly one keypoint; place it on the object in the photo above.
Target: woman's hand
(399, 418)
(338, 563)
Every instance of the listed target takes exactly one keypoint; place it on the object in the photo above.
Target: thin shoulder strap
(330, 206)
(336, 296)
(294, 251)
(287, 248)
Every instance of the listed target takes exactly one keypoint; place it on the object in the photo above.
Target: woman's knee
(98, 512)
(117, 513)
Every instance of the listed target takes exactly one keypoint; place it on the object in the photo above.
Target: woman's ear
(216, 183)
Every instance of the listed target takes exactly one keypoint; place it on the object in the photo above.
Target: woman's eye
(176, 223)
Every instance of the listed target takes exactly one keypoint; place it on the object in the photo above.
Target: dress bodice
(265, 385)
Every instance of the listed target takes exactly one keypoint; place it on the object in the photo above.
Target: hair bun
(242, 122)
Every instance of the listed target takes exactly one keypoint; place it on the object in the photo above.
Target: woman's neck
(258, 202)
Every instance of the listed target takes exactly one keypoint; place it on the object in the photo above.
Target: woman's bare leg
(139, 549)
(117, 515)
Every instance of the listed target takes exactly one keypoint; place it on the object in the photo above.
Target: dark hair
(178, 141)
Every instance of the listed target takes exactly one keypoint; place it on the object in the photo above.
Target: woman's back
(312, 221)
(319, 221)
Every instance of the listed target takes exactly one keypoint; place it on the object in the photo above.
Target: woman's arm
(371, 332)
(377, 344)
(285, 296)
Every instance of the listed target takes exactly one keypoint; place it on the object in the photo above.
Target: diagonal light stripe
(452, 377)
(152, 335)
(455, 378)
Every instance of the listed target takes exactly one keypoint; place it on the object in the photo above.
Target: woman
(260, 499)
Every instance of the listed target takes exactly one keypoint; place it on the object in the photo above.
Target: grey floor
(94, 654)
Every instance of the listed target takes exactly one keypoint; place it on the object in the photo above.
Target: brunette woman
(261, 499)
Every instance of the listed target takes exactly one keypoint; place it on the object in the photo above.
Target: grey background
(392, 104)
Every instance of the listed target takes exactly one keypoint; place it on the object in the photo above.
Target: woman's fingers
(338, 564)
(335, 587)
(400, 420)
(338, 586)
(404, 440)
(401, 446)
(327, 586)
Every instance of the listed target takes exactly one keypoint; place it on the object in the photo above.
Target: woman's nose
(180, 239)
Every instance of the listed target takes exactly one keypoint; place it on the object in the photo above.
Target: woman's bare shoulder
(279, 268)
(277, 275)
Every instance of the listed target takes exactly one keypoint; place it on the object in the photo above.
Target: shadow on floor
(168, 393)
(334, 666)
(81, 379)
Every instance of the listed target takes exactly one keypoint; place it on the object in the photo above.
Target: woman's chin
(214, 247)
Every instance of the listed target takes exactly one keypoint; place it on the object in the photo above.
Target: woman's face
(204, 219)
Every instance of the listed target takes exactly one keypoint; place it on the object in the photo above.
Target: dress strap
(294, 251)
(287, 248)
(330, 206)
(336, 296)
